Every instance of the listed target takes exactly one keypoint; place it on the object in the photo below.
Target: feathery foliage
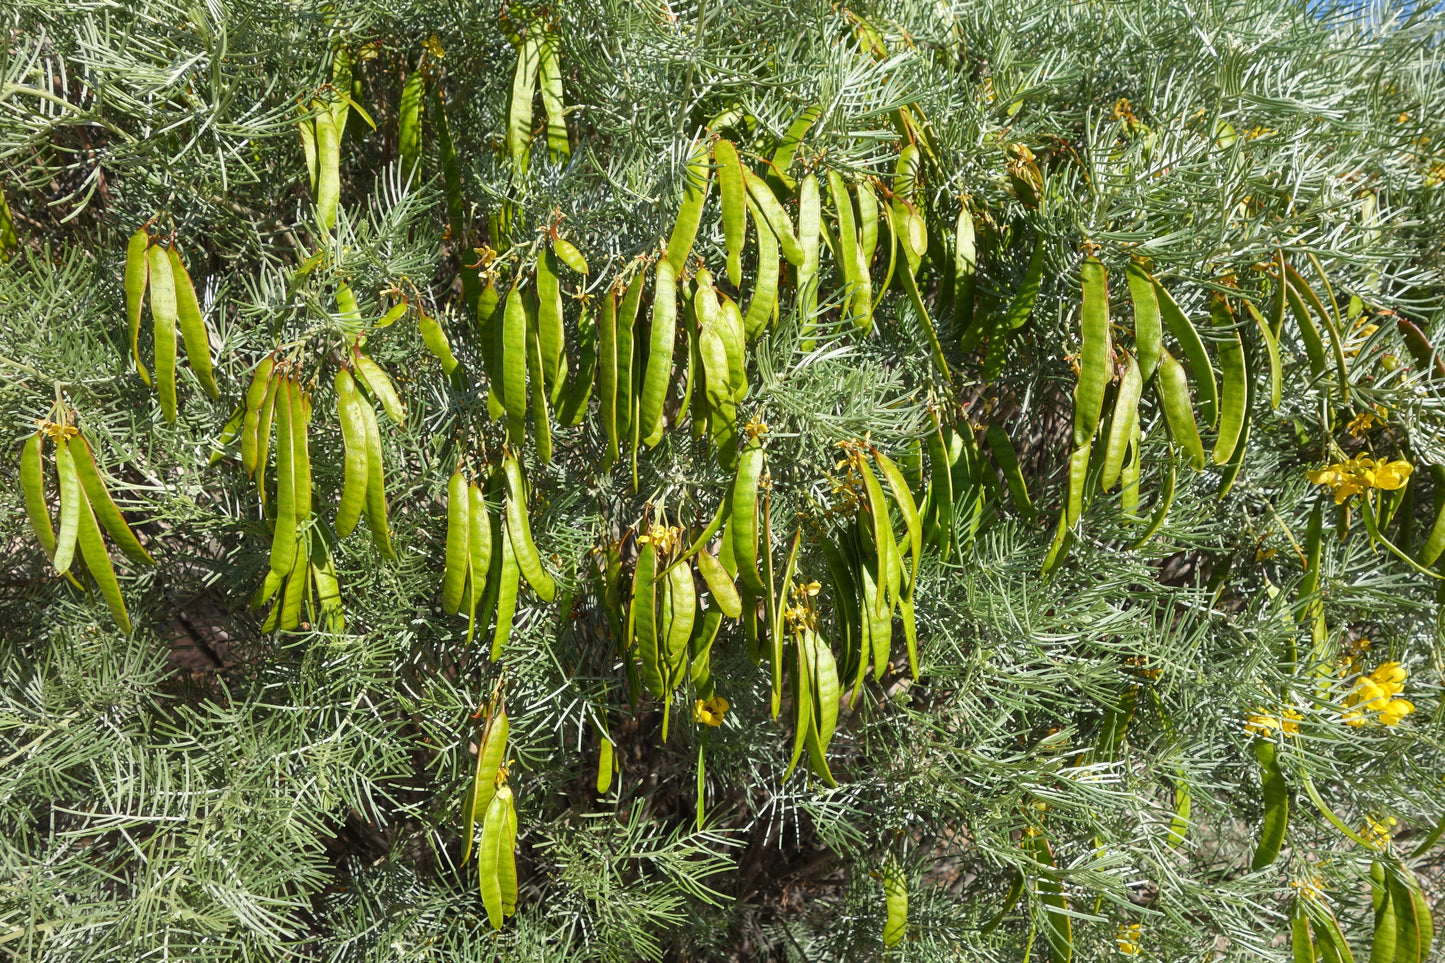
(1116, 703)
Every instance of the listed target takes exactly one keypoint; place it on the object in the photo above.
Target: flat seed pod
(506, 857)
(965, 271)
(903, 498)
(520, 532)
(680, 614)
(734, 194)
(883, 537)
(874, 607)
(606, 766)
(306, 128)
(550, 75)
(1173, 387)
(541, 411)
(490, 856)
(283, 538)
(408, 141)
(1328, 318)
(1095, 366)
(867, 221)
(1162, 504)
(1434, 543)
(1053, 906)
(137, 272)
(107, 512)
(375, 483)
(735, 340)
(1021, 305)
(1271, 347)
(568, 254)
(356, 468)
(895, 897)
(1126, 417)
(379, 384)
(300, 450)
(658, 370)
(192, 325)
(490, 755)
(1078, 482)
(607, 368)
(454, 579)
(436, 342)
(697, 180)
(1183, 805)
(1234, 399)
(32, 485)
(328, 169)
(775, 217)
(512, 362)
(764, 303)
(787, 147)
(856, 289)
(97, 562)
(71, 496)
(826, 690)
(940, 491)
(915, 298)
(642, 619)
(549, 318)
(1148, 330)
(509, 579)
(519, 112)
(724, 593)
(743, 527)
(802, 707)
(810, 223)
(163, 318)
(1384, 944)
(1008, 462)
(1193, 347)
(230, 431)
(329, 612)
(1129, 474)
(256, 394)
(479, 553)
(628, 370)
(1276, 806)
(1414, 928)
(573, 407)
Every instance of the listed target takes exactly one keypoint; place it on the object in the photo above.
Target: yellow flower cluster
(1261, 723)
(1376, 692)
(800, 614)
(1310, 888)
(710, 711)
(1377, 831)
(1139, 666)
(1127, 938)
(1362, 473)
(664, 537)
(1364, 421)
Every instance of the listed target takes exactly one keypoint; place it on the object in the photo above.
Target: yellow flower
(1362, 473)
(1311, 888)
(1127, 937)
(1395, 711)
(1363, 422)
(1261, 723)
(1376, 692)
(1391, 476)
(710, 711)
(1377, 831)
